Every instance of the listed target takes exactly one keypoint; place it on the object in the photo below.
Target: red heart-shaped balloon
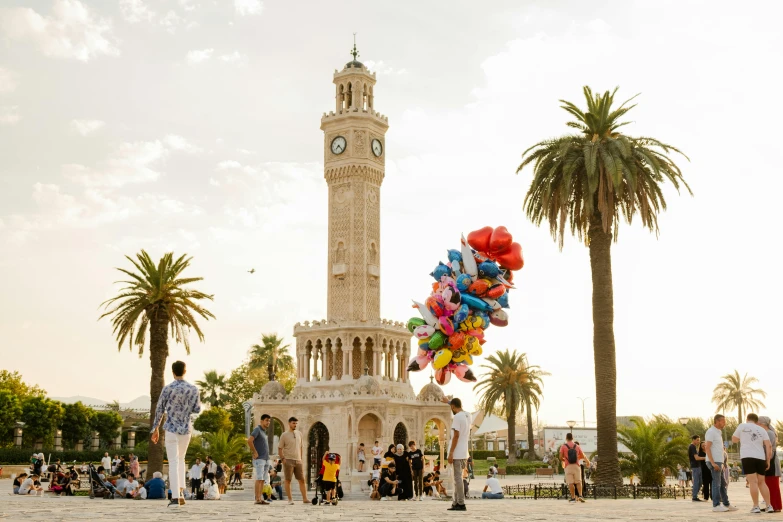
(479, 239)
(501, 239)
(511, 258)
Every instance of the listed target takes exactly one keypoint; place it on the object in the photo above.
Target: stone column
(350, 360)
(131, 439)
(58, 440)
(79, 445)
(324, 365)
(18, 432)
(117, 442)
(346, 364)
(96, 441)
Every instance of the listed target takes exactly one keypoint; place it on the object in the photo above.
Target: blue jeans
(487, 494)
(718, 486)
(278, 492)
(696, 472)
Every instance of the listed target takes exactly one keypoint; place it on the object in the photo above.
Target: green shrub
(22, 456)
(483, 454)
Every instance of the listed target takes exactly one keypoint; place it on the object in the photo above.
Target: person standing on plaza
(361, 457)
(106, 461)
(195, 477)
(134, 465)
(570, 455)
(772, 476)
(706, 474)
(259, 447)
(695, 462)
(376, 453)
(177, 402)
(755, 452)
(458, 452)
(715, 459)
(417, 467)
(291, 448)
(404, 475)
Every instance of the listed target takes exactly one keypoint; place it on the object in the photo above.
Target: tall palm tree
(654, 446)
(274, 357)
(513, 385)
(585, 182)
(213, 388)
(736, 392)
(158, 299)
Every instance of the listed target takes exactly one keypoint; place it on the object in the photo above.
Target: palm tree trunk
(531, 446)
(739, 412)
(270, 431)
(512, 437)
(608, 470)
(159, 352)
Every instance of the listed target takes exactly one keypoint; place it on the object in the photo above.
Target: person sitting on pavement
(156, 488)
(18, 482)
(131, 487)
(277, 484)
(438, 483)
(210, 487)
(493, 485)
(28, 487)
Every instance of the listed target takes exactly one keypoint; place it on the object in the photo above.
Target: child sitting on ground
(210, 488)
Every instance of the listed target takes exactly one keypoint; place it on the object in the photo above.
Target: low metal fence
(627, 491)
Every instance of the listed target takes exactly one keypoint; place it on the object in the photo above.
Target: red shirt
(564, 452)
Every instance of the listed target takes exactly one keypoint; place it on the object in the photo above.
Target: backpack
(219, 472)
(572, 455)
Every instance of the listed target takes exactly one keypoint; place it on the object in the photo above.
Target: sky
(192, 126)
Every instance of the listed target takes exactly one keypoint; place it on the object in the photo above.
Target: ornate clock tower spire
(354, 159)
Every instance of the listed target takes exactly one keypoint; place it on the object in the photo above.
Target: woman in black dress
(404, 473)
(706, 473)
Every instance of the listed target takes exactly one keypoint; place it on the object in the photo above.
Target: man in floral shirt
(178, 400)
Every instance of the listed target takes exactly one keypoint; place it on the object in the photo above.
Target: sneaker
(731, 508)
(572, 500)
(696, 499)
(181, 501)
(720, 509)
(384, 498)
(770, 509)
(290, 502)
(755, 510)
(457, 507)
(580, 499)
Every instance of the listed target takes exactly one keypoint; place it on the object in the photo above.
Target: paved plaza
(238, 506)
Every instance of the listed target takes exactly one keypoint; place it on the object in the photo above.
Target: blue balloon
(503, 300)
(440, 271)
(484, 318)
(476, 303)
(461, 313)
(455, 255)
(463, 282)
(488, 270)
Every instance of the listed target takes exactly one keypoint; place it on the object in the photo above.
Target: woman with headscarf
(404, 473)
(772, 476)
(134, 465)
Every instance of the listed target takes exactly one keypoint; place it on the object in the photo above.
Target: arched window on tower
(349, 97)
(369, 97)
(340, 98)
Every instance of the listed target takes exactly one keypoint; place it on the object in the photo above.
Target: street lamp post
(571, 425)
(584, 424)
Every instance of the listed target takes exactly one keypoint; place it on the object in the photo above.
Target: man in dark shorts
(755, 453)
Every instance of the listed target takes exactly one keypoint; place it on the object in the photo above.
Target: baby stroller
(319, 483)
(97, 487)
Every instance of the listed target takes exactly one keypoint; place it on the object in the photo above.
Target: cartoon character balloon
(470, 293)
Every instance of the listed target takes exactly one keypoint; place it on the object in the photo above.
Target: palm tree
(585, 182)
(274, 357)
(736, 392)
(213, 388)
(513, 385)
(222, 446)
(654, 446)
(157, 298)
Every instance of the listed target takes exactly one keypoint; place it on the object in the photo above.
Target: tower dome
(273, 389)
(367, 385)
(430, 392)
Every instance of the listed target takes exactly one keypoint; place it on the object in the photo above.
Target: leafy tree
(76, 423)
(212, 388)
(159, 299)
(737, 392)
(12, 381)
(243, 382)
(697, 426)
(655, 446)
(42, 417)
(222, 446)
(270, 355)
(213, 420)
(584, 183)
(114, 406)
(513, 385)
(10, 414)
(107, 424)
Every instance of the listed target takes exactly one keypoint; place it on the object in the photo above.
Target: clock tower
(354, 159)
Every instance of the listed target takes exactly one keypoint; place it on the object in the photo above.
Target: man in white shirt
(755, 453)
(458, 453)
(376, 453)
(131, 487)
(195, 476)
(493, 485)
(713, 447)
(106, 461)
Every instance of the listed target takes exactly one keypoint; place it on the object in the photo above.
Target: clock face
(377, 148)
(338, 145)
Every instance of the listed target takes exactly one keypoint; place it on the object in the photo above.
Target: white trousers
(176, 447)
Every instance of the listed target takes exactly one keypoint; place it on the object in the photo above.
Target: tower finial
(354, 52)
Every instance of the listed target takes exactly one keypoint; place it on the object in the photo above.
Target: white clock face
(338, 145)
(377, 148)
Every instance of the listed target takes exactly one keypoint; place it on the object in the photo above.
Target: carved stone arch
(358, 368)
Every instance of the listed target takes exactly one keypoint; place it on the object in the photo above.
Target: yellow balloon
(471, 345)
(471, 323)
(476, 350)
(462, 355)
(442, 358)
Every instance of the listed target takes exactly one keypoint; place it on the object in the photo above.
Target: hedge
(525, 468)
(22, 456)
(483, 454)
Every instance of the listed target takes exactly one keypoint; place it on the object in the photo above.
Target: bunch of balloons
(470, 293)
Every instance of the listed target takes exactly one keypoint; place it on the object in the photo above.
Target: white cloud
(85, 127)
(71, 32)
(248, 7)
(236, 57)
(187, 5)
(247, 152)
(7, 81)
(381, 68)
(229, 164)
(135, 11)
(171, 22)
(9, 114)
(128, 163)
(214, 182)
(175, 142)
(198, 56)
